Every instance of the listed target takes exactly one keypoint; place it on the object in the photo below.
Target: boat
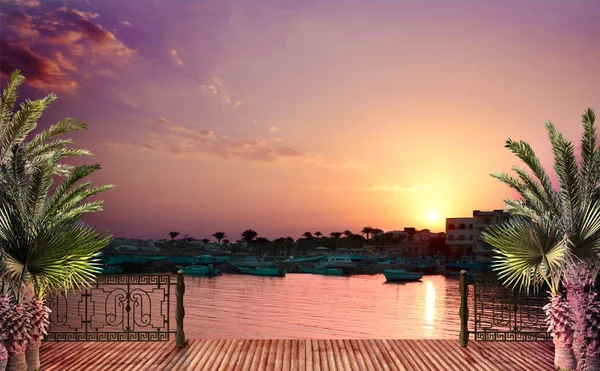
(401, 275)
(358, 258)
(426, 265)
(324, 271)
(258, 271)
(308, 259)
(336, 261)
(391, 262)
(250, 261)
(198, 271)
(211, 259)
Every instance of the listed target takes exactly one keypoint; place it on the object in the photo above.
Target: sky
(286, 117)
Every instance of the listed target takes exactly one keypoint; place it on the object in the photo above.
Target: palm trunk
(560, 324)
(564, 358)
(16, 362)
(32, 355)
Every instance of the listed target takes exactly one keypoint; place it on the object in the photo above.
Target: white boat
(335, 261)
(250, 261)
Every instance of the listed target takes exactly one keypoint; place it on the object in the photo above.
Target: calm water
(319, 307)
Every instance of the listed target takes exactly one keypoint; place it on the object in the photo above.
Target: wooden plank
(294, 355)
(310, 354)
(358, 355)
(314, 355)
(353, 363)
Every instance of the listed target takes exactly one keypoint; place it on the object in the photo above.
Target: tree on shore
(173, 235)
(336, 235)
(347, 233)
(367, 231)
(205, 241)
(219, 236)
(318, 234)
(248, 235)
(307, 235)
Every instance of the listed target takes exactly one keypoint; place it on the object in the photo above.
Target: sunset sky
(294, 116)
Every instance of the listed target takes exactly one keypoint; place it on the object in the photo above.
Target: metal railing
(501, 314)
(120, 308)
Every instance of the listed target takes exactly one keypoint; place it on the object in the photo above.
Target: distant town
(461, 240)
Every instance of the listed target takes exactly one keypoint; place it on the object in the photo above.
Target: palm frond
(9, 98)
(565, 165)
(65, 126)
(23, 122)
(526, 154)
(589, 169)
(528, 253)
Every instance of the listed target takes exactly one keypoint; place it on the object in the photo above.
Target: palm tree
(347, 233)
(219, 236)
(44, 245)
(336, 235)
(318, 234)
(173, 235)
(248, 235)
(367, 231)
(307, 235)
(549, 230)
(205, 241)
(375, 234)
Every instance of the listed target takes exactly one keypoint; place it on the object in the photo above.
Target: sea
(301, 306)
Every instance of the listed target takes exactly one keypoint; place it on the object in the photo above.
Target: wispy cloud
(394, 188)
(167, 136)
(126, 23)
(273, 129)
(27, 3)
(216, 87)
(367, 188)
(176, 58)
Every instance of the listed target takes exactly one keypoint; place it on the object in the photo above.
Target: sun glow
(433, 216)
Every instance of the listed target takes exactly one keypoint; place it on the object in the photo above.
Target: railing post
(463, 288)
(180, 311)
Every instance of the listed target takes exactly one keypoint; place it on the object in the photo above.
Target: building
(463, 235)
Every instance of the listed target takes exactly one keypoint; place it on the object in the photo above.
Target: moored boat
(336, 261)
(308, 259)
(401, 275)
(324, 271)
(258, 271)
(199, 271)
(426, 265)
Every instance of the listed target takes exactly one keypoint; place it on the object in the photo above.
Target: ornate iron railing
(120, 308)
(502, 314)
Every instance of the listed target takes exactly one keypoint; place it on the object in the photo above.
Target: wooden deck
(314, 355)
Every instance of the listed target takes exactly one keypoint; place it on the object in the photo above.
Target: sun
(433, 216)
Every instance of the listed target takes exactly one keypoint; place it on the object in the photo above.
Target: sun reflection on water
(429, 316)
